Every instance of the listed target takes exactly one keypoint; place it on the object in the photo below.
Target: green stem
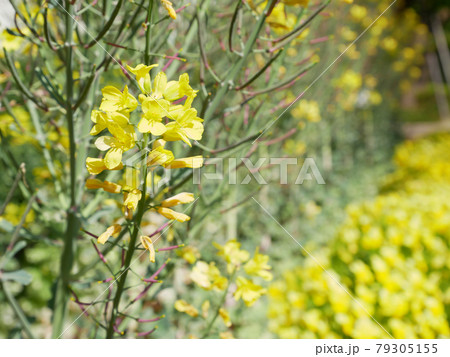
(237, 67)
(17, 310)
(123, 277)
(260, 72)
(107, 26)
(23, 88)
(284, 83)
(148, 33)
(73, 223)
(19, 175)
(131, 248)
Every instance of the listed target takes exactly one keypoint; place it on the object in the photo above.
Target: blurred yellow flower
(258, 266)
(307, 109)
(225, 317)
(248, 291)
(183, 306)
(189, 254)
(208, 277)
(168, 6)
(232, 254)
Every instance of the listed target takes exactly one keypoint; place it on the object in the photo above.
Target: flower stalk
(73, 224)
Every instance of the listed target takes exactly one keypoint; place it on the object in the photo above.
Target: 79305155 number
(425, 348)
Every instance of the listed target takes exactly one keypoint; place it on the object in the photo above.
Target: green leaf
(9, 255)
(49, 86)
(20, 276)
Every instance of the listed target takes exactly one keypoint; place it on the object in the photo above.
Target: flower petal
(171, 214)
(113, 158)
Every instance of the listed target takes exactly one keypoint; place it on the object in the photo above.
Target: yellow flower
(172, 90)
(225, 317)
(187, 126)
(168, 6)
(148, 245)
(154, 111)
(142, 73)
(308, 110)
(131, 199)
(258, 266)
(159, 156)
(106, 120)
(14, 212)
(93, 184)
(350, 81)
(110, 231)
(158, 143)
(11, 42)
(207, 276)
(177, 111)
(189, 254)
(193, 162)
(175, 90)
(248, 291)
(105, 185)
(232, 253)
(123, 140)
(181, 198)
(183, 306)
(114, 100)
(358, 12)
(280, 20)
(171, 214)
(205, 309)
(389, 44)
(96, 166)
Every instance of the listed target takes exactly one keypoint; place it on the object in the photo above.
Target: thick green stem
(148, 33)
(123, 278)
(237, 67)
(73, 224)
(131, 248)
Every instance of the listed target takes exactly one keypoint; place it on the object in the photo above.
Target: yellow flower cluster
(208, 277)
(356, 90)
(18, 128)
(400, 37)
(307, 109)
(423, 166)
(165, 112)
(14, 212)
(391, 254)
